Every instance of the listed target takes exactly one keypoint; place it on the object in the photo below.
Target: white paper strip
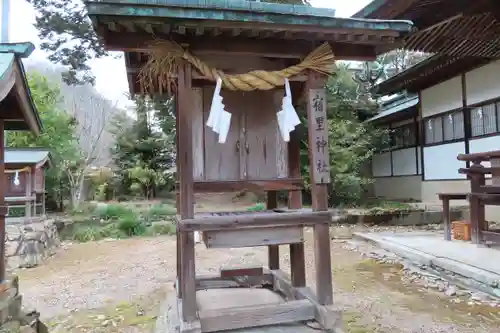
(223, 126)
(287, 116)
(217, 106)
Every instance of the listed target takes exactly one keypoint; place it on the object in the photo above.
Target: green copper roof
(22, 50)
(13, 76)
(27, 156)
(238, 11)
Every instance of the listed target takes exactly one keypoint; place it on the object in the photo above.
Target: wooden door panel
(266, 150)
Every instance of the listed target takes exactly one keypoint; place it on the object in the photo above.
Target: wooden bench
(445, 199)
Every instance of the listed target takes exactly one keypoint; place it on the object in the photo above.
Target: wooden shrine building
(25, 183)
(17, 113)
(238, 70)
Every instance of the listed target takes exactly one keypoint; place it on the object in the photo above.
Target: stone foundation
(12, 318)
(27, 245)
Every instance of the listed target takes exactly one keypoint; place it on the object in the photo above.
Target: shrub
(86, 234)
(112, 211)
(131, 225)
(259, 207)
(160, 212)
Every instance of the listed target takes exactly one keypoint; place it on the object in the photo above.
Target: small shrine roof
(238, 11)
(16, 103)
(28, 156)
(240, 18)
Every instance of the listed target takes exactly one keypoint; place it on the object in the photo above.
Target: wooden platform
(219, 300)
(254, 297)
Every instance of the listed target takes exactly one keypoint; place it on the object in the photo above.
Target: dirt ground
(117, 286)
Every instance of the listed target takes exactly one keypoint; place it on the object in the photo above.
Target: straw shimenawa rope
(160, 69)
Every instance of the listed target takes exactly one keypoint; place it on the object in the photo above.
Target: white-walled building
(453, 107)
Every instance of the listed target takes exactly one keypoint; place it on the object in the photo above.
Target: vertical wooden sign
(320, 156)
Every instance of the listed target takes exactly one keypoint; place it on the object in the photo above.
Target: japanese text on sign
(319, 129)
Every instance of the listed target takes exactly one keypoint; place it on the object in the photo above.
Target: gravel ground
(93, 275)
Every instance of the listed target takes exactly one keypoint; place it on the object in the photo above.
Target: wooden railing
(482, 194)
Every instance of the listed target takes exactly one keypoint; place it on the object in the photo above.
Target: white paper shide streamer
(16, 179)
(219, 120)
(287, 116)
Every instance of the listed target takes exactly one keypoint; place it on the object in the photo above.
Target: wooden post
(3, 208)
(297, 257)
(477, 215)
(273, 251)
(446, 218)
(177, 197)
(185, 158)
(320, 177)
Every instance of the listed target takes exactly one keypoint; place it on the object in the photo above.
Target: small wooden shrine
(25, 183)
(238, 70)
(17, 113)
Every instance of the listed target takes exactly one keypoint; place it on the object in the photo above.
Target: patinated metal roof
(402, 106)
(16, 104)
(238, 28)
(427, 73)
(238, 11)
(28, 156)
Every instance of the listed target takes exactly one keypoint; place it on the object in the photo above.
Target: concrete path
(462, 258)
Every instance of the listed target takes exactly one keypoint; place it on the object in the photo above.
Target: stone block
(28, 245)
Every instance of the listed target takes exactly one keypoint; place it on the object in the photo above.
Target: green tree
(143, 152)
(58, 135)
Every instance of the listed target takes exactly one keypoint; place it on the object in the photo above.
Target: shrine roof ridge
(242, 11)
(28, 156)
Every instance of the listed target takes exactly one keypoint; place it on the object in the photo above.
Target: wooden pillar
(185, 158)
(320, 177)
(3, 208)
(297, 257)
(477, 209)
(273, 250)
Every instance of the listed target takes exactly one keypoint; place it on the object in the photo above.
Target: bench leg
(446, 219)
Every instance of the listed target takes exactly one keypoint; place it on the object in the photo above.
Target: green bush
(258, 207)
(112, 211)
(160, 212)
(131, 225)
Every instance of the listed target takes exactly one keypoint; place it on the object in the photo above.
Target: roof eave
(221, 14)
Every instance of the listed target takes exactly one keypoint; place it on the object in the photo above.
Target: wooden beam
(327, 317)
(273, 48)
(216, 320)
(297, 251)
(241, 271)
(216, 281)
(185, 156)
(273, 251)
(237, 186)
(254, 220)
(252, 237)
